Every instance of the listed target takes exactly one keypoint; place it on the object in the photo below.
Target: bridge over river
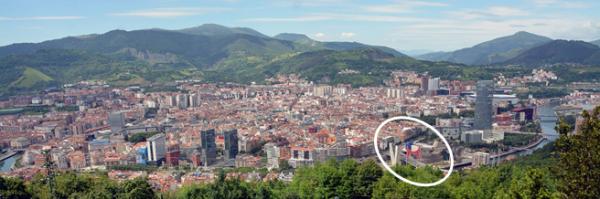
(10, 153)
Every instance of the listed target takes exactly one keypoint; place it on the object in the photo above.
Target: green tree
(388, 187)
(534, 185)
(12, 188)
(38, 187)
(70, 183)
(193, 192)
(138, 189)
(365, 177)
(579, 157)
(347, 168)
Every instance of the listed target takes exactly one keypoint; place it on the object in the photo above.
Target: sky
(405, 25)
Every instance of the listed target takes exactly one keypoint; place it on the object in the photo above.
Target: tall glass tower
(231, 143)
(116, 120)
(209, 147)
(483, 105)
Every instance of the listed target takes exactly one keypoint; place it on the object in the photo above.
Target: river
(8, 163)
(548, 124)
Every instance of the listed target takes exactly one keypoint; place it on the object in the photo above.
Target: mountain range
(559, 51)
(303, 39)
(490, 52)
(522, 48)
(596, 42)
(217, 53)
(209, 51)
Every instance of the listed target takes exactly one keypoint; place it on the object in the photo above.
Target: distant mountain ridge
(196, 49)
(334, 45)
(216, 30)
(490, 52)
(211, 52)
(596, 42)
(559, 51)
(216, 53)
(208, 42)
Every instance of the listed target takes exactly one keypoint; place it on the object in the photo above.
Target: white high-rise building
(272, 155)
(322, 91)
(156, 146)
(183, 100)
(172, 101)
(433, 84)
(394, 93)
(194, 100)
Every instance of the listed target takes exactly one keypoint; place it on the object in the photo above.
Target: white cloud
(40, 18)
(337, 17)
(402, 6)
(308, 3)
(544, 2)
(347, 35)
(560, 3)
(389, 8)
(289, 19)
(506, 11)
(170, 12)
(319, 35)
(493, 12)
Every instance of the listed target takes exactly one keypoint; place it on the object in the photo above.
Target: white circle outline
(418, 184)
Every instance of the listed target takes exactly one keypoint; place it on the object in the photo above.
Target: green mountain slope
(210, 52)
(560, 51)
(219, 30)
(198, 50)
(339, 46)
(368, 66)
(597, 42)
(490, 52)
(30, 78)
(58, 66)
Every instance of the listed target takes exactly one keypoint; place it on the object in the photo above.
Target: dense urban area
(201, 133)
(325, 99)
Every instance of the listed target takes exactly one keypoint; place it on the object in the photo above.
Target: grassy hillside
(560, 51)
(490, 52)
(369, 66)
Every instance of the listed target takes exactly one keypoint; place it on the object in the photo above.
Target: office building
(301, 156)
(483, 105)
(116, 120)
(231, 144)
(194, 100)
(433, 84)
(273, 155)
(424, 83)
(322, 91)
(141, 156)
(209, 147)
(394, 93)
(172, 156)
(183, 100)
(171, 101)
(156, 146)
(472, 137)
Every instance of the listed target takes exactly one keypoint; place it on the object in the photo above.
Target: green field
(30, 77)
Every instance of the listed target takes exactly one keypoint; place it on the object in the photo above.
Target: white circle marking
(419, 184)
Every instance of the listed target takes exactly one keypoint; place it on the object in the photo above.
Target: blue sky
(401, 24)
